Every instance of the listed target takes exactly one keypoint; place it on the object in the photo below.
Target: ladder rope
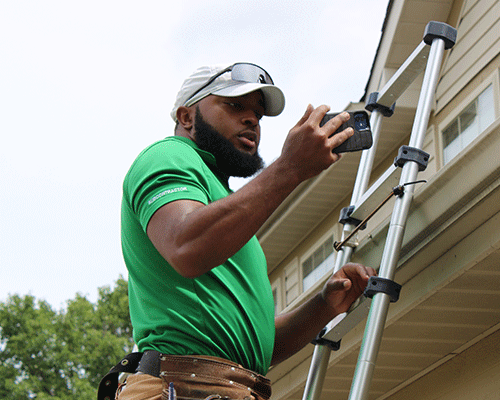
(396, 191)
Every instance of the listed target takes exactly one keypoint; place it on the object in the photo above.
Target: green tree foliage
(59, 355)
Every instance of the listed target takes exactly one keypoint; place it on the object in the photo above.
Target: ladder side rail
(360, 185)
(380, 303)
(321, 354)
(317, 373)
(367, 158)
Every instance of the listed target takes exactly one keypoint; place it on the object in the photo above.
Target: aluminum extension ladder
(382, 290)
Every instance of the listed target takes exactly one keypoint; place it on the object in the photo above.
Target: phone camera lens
(360, 125)
(360, 122)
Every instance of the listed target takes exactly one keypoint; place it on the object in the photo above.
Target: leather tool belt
(193, 377)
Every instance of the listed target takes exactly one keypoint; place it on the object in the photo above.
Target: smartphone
(362, 138)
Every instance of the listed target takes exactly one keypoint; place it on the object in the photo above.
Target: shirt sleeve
(165, 172)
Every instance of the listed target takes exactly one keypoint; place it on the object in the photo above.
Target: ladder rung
(377, 193)
(346, 322)
(404, 76)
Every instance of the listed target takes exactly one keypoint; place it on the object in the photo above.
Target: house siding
(478, 43)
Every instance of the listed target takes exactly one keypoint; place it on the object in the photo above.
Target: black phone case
(362, 138)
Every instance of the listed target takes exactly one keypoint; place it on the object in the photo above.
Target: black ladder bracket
(440, 30)
(407, 153)
(372, 105)
(320, 340)
(382, 285)
(345, 217)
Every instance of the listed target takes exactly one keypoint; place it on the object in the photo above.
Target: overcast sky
(86, 85)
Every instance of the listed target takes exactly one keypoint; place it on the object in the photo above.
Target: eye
(240, 107)
(235, 105)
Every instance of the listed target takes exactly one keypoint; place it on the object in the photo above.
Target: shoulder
(171, 146)
(170, 161)
(167, 154)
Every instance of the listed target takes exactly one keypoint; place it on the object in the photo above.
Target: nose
(250, 118)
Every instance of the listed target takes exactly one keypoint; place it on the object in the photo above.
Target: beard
(230, 160)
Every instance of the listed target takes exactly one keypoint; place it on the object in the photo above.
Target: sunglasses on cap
(241, 72)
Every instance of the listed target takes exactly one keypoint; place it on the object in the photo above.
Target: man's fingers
(336, 122)
(341, 137)
(305, 117)
(339, 285)
(358, 273)
(318, 114)
(336, 139)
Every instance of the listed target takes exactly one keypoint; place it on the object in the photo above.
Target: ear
(185, 116)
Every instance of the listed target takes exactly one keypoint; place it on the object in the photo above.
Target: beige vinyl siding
(292, 284)
(478, 42)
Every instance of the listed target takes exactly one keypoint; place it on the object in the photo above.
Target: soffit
(414, 17)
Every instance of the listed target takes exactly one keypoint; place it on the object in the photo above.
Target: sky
(86, 85)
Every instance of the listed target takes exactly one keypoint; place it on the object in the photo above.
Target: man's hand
(345, 286)
(298, 327)
(308, 148)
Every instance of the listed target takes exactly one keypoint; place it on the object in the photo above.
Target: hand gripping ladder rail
(410, 160)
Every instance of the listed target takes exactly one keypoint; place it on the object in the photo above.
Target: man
(200, 299)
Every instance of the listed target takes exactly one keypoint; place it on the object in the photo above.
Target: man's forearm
(296, 329)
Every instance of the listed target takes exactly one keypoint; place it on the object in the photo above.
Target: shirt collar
(209, 158)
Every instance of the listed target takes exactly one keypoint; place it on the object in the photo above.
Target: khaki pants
(140, 386)
(196, 378)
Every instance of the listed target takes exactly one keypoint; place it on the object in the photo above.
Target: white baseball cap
(230, 81)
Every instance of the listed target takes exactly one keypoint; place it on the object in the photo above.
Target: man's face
(229, 129)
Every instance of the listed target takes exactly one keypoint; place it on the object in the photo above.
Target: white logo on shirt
(168, 191)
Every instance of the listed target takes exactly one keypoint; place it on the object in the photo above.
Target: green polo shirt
(227, 312)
